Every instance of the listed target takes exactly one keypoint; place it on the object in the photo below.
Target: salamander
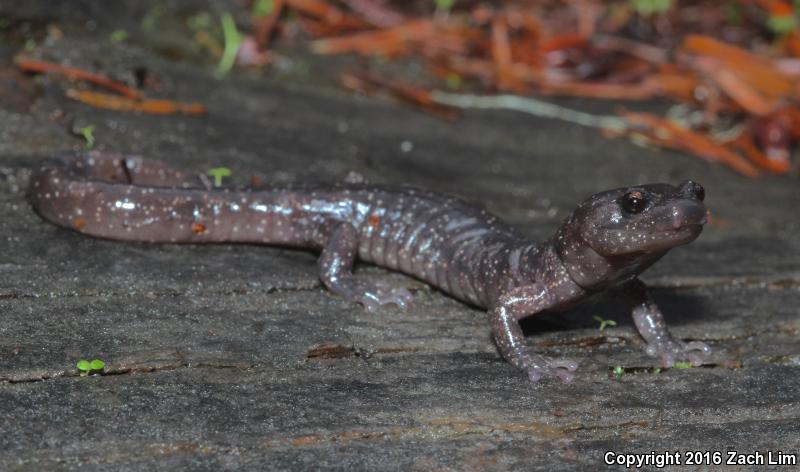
(461, 249)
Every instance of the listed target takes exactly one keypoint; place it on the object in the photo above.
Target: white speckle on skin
(125, 204)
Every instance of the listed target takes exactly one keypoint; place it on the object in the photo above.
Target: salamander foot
(335, 271)
(372, 295)
(538, 366)
(671, 350)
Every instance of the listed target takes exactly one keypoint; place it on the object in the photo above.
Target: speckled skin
(463, 250)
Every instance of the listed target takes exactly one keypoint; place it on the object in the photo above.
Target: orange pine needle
(747, 145)
(390, 41)
(328, 14)
(501, 53)
(320, 9)
(674, 84)
(34, 65)
(266, 25)
(742, 93)
(564, 41)
(758, 72)
(792, 44)
(665, 133)
(370, 84)
(150, 107)
(598, 90)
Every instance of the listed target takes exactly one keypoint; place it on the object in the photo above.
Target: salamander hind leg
(335, 271)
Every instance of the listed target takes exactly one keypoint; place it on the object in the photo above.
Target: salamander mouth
(678, 225)
(683, 222)
(683, 233)
(688, 232)
(686, 215)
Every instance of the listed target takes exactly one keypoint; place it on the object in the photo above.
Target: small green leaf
(642, 7)
(84, 365)
(454, 81)
(263, 7)
(656, 370)
(444, 5)
(648, 7)
(603, 322)
(88, 134)
(218, 173)
(200, 21)
(619, 371)
(97, 364)
(781, 24)
(682, 365)
(661, 6)
(119, 35)
(232, 41)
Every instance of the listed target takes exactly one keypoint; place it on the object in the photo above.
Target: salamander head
(630, 228)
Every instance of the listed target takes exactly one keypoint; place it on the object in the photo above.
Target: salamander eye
(634, 202)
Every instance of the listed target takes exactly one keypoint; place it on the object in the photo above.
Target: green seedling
(88, 367)
(454, 81)
(200, 21)
(649, 7)
(263, 7)
(232, 41)
(218, 173)
(119, 36)
(604, 323)
(618, 371)
(781, 24)
(682, 365)
(656, 370)
(444, 5)
(88, 134)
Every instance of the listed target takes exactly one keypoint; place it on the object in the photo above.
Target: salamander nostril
(693, 189)
(698, 191)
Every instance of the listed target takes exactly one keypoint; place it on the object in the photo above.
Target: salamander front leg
(521, 301)
(335, 270)
(653, 328)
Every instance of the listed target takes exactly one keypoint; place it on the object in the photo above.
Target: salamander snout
(689, 210)
(688, 213)
(692, 189)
